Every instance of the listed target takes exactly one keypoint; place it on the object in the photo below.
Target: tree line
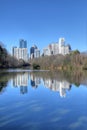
(73, 61)
(8, 61)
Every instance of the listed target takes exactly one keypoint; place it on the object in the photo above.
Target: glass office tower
(23, 44)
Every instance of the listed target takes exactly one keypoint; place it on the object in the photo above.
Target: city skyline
(54, 48)
(42, 22)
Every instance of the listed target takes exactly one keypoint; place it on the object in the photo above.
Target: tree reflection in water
(55, 81)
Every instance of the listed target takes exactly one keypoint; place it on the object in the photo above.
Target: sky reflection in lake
(39, 100)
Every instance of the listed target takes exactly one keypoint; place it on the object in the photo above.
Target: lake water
(42, 101)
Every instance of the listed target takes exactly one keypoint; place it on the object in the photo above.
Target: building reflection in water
(54, 85)
(59, 86)
(21, 81)
(35, 81)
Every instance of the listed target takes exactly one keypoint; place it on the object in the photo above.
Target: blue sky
(41, 22)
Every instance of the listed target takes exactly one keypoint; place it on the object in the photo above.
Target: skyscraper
(37, 53)
(61, 46)
(32, 51)
(22, 44)
(57, 48)
(15, 52)
(22, 51)
(23, 54)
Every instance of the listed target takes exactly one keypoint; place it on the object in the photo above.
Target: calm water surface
(42, 101)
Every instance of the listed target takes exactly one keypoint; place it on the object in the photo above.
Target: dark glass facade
(32, 49)
(23, 44)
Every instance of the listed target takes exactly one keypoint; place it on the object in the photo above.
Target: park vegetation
(73, 61)
(8, 61)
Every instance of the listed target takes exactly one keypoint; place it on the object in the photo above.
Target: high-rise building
(34, 52)
(21, 52)
(32, 49)
(57, 48)
(61, 41)
(22, 43)
(15, 52)
(46, 51)
(37, 53)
